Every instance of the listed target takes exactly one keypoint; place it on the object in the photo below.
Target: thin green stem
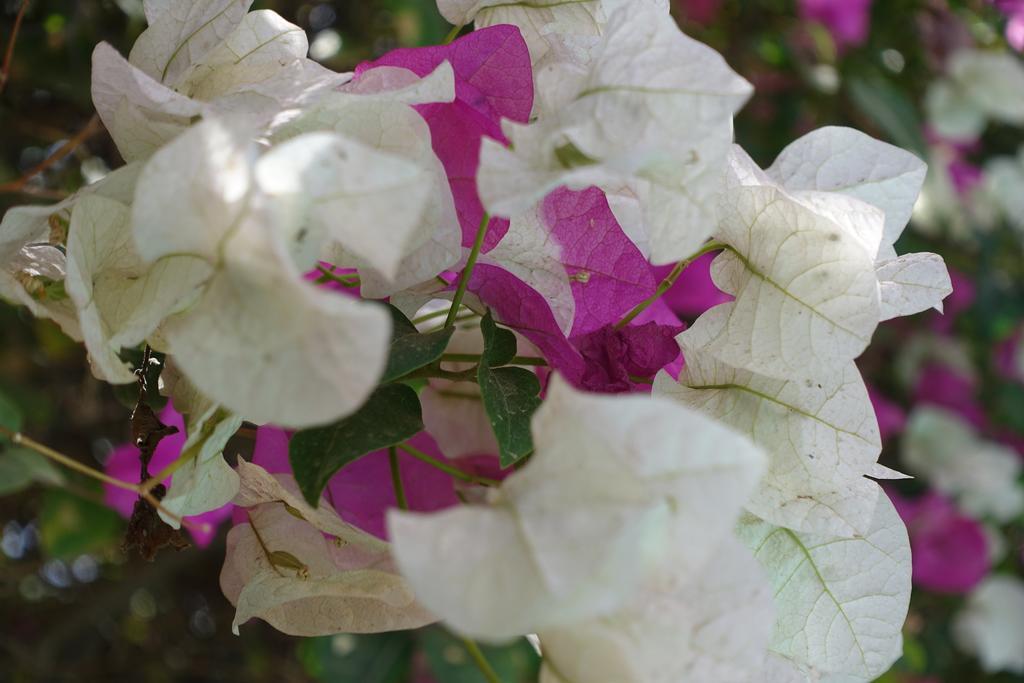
(453, 34)
(462, 317)
(263, 545)
(427, 317)
(436, 372)
(445, 467)
(396, 479)
(474, 254)
(478, 658)
(20, 439)
(343, 279)
(475, 358)
(667, 283)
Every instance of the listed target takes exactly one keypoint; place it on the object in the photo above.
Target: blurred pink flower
(847, 20)
(1014, 12)
(1009, 354)
(943, 386)
(964, 174)
(949, 550)
(962, 298)
(124, 464)
(891, 417)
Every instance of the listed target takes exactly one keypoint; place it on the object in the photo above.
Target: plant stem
(667, 283)
(475, 358)
(156, 479)
(453, 34)
(20, 439)
(474, 254)
(478, 657)
(90, 129)
(430, 316)
(5, 71)
(345, 279)
(445, 467)
(435, 372)
(396, 479)
(263, 545)
(469, 315)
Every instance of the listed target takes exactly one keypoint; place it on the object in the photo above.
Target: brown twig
(9, 55)
(19, 185)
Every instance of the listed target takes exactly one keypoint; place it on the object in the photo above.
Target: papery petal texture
(841, 602)
(821, 438)
(559, 544)
(310, 573)
(807, 299)
(714, 628)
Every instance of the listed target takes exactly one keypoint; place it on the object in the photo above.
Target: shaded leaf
(10, 416)
(391, 415)
(890, 108)
(371, 658)
(449, 661)
(20, 468)
(499, 343)
(510, 395)
(70, 525)
(410, 349)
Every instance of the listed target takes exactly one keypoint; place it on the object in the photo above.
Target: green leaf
(374, 658)
(20, 468)
(410, 349)
(449, 661)
(890, 108)
(10, 416)
(510, 395)
(390, 416)
(1009, 399)
(499, 343)
(70, 525)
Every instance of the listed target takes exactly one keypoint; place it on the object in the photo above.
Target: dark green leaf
(20, 468)
(891, 109)
(70, 525)
(410, 349)
(510, 396)
(449, 661)
(374, 658)
(10, 416)
(1009, 403)
(390, 416)
(499, 343)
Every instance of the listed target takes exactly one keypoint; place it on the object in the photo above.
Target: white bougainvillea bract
(462, 238)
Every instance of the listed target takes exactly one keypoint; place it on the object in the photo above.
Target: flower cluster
(545, 461)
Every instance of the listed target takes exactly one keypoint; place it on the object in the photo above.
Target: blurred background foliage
(73, 607)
